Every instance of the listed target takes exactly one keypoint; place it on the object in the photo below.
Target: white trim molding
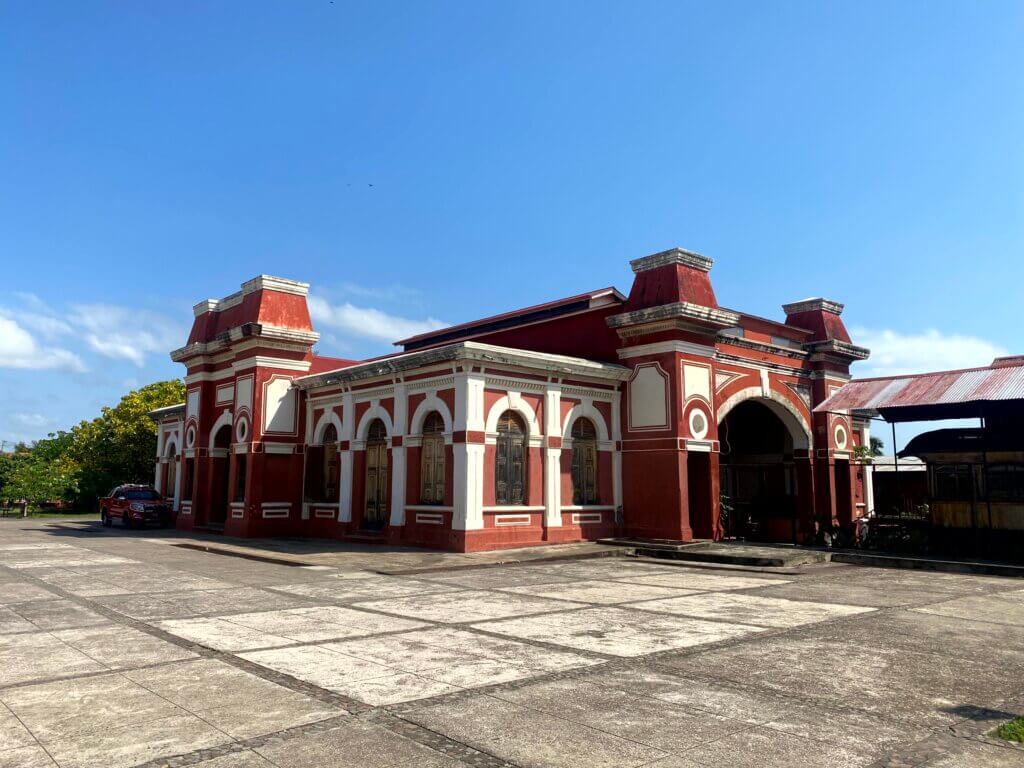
(796, 423)
(513, 401)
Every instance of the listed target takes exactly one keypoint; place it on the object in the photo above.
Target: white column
(348, 426)
(398, 471)
(616, 454)
(552, 457)
(468, 458)
(869, 474)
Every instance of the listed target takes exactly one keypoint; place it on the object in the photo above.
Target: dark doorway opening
(698, 481)
(758, 475)
(220, 476)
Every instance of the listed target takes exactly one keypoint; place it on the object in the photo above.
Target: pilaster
(345, 475)
(552, 456)
(398, 470)
(468, 452)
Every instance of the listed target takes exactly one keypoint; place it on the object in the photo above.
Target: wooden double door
(510, 461)
(375, 509)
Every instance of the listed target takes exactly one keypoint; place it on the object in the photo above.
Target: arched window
(375, 510)
(432, 464)
(584, 462)
(330, 471)
(172, 471)
(510, 460)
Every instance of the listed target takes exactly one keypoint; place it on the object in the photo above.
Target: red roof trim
(323, 364)
(609, 291)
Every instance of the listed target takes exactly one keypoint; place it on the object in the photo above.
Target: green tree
(41, 478)
(119, 446)
(9, 463)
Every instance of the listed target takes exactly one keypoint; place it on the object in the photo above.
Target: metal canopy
(965, 393)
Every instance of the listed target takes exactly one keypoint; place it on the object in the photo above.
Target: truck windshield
(142, 495)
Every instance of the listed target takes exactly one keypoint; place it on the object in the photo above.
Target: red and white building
(595, 415)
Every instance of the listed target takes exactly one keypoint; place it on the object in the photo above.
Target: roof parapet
(258, 283)
(672, 256)
(813, 305)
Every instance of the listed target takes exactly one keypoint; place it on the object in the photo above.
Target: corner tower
(669, 437)
(241, 415)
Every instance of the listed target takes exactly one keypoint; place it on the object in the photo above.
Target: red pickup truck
(134, 505)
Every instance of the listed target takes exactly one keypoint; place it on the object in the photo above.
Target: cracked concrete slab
(272, 629)
(38, 656)
(618, 632)
(600, 592)
(886, 681)
(14, 592)
(369, 588)
(355, 744)
(312, 624)
(58, 614)
(761, 747)
(11, 623)
(528, 737)
(230, 699)
(467, 606)
(993, 608)
(117, 647)
(576, 685)
(750, 609)
(641, 719)
(682, 578)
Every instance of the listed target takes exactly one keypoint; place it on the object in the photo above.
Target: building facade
(659, 415)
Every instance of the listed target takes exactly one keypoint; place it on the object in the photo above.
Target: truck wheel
(105, 519)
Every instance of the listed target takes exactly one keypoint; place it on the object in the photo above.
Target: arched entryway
(375, 513)
(220, 475)
(759, 476)
(584, 462)
(169, 484)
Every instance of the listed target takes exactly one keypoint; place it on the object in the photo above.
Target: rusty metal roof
(1003, 380)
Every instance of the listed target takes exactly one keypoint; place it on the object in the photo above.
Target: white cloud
(386, 293)
(893, 352)
(126, 334)
(19, 349)
(32, 419)
(364, 321)
(109, 330)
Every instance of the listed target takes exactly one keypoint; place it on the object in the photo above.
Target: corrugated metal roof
(1003, 380)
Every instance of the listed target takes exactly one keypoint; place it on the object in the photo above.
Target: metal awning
(940, 395)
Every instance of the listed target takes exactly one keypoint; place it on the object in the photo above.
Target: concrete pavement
(119, 650)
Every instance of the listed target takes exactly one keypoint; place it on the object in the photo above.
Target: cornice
(672, 256)
(487, 354)
(286, 338)
(259, 283)
(812, 305)
(159, 414)
(833, 348)
(763, 346)
(662, 347)
(679, 310)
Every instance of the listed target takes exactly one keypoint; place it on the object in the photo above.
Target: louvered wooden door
(510, 461)
(375, 509)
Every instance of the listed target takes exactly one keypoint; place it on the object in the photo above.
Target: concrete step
(366, 537)
(882, 560)
(724, 553)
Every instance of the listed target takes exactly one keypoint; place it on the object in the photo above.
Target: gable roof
(517, 317)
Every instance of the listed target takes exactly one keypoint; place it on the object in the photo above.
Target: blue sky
(428, 163)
